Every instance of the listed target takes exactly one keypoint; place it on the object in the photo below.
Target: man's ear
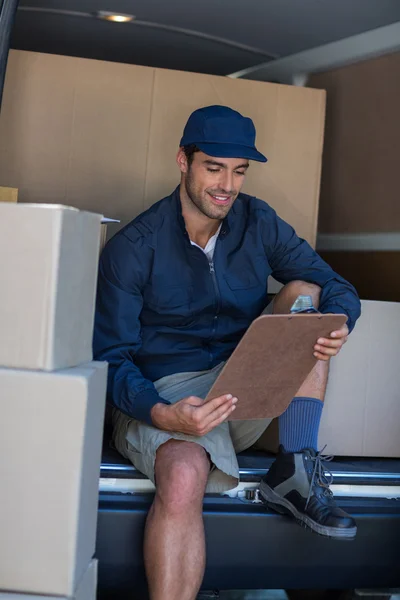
(181, 161)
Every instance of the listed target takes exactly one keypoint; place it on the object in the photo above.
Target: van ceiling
(207, 36)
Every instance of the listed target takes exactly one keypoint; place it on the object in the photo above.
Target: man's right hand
(192, 415)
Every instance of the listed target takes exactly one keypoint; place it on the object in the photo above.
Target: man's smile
(221, 199)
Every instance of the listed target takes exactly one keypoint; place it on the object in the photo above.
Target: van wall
(361, 175)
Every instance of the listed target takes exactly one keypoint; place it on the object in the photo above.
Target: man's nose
(226, 182)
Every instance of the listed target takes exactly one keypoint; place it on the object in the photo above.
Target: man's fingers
(343, 332)
(327, 351)
(331, 346)
(220, 420)
(209, 407)
(324, 348)
(324, 343)
(320, 356)
(219, 412)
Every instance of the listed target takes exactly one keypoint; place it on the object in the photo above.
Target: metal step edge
(145, 486)
(253, 475)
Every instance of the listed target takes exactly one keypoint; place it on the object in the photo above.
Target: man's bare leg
(295, 483)
(174, 547)
(315, 384)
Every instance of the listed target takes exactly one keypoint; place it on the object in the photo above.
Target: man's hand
(192, 415)
(327, 347)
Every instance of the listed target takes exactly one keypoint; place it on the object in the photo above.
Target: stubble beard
(201, 201)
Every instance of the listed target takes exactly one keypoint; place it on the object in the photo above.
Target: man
(178, 287)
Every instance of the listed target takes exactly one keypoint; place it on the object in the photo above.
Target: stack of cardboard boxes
(52, 400)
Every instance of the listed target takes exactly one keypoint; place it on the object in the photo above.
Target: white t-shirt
(210, 247)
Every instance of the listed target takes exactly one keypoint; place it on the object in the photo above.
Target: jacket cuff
(143, 403)
(337, 310)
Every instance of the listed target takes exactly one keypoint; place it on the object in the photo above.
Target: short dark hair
(190, 151)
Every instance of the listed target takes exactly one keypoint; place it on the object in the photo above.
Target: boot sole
(285, 507)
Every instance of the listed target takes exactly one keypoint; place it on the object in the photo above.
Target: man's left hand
(327, 347)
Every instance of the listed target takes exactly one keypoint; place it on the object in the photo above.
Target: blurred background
(350, 49)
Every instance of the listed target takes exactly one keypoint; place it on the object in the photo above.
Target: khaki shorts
(139, 442)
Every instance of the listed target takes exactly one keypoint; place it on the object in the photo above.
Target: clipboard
(271, 362)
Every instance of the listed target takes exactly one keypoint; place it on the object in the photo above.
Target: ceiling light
(108, 16)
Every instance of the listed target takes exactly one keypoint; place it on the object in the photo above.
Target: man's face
(211, 183)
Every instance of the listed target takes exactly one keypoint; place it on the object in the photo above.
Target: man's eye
(240, 172)
(213, 170)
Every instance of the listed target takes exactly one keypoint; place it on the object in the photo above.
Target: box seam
(318, 173)
(153, 85)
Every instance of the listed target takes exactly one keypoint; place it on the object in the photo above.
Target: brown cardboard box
(48, 275)
(50, 450)
(361, 416)
(86, 589)
(108, 134)
(8, 194)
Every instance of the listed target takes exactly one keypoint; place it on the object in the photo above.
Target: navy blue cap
(223, 132)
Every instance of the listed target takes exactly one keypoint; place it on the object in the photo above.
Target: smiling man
(178, 287)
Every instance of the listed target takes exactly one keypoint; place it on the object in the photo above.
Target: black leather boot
(298, 484)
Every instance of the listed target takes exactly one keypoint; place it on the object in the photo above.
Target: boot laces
(321, 476)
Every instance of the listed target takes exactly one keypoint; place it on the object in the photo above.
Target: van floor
(295, 595)
(245, 595)
(250, 545)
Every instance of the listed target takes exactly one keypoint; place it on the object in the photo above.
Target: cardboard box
(86, 589)
(51, 430)
(48, 275)
(103, 236)
(361, 416)
(108, 134)
(105, 221)
(8, 194)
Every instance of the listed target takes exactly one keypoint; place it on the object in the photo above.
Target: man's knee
(182, 470)
(304, 288)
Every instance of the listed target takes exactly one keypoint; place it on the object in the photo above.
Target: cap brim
(231, 151)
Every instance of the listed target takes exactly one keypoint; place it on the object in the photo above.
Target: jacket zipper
(218, 298)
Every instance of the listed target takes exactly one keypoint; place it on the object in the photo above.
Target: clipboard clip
(303, 304)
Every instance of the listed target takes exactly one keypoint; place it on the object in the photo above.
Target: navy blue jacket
(162, 309)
